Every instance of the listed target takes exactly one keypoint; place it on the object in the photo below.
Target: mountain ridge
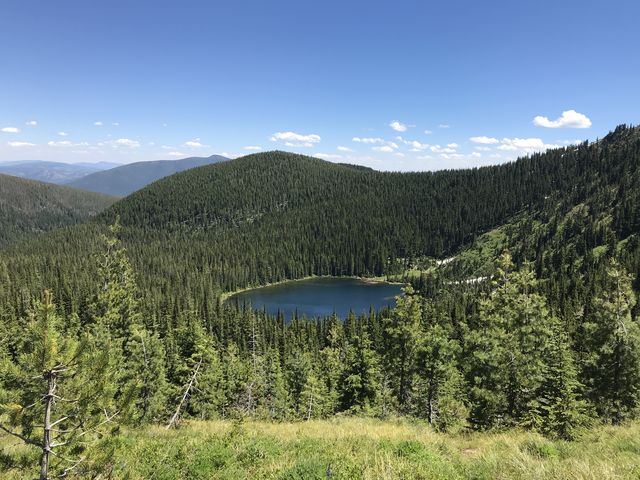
(125, 179)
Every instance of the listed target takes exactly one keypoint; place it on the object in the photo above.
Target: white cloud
(439, 149)
(195, 143)
(367, 140)
(524, 144)
(98, 124)
(384, 149)
(483, 149)
(452, 145)
(126, 142)
(293, 139)
(10, 130)
(32, 123)
(414, 145)
(252, 147)
(177, 154)
(398, 126)
(443, 125)
(63, 134)
(428, 132)
(328, 156)
(116, 124)
(476, 154)
(568, 119)
(20, 144)
(344, 149)
(484, 140)
(66, 143)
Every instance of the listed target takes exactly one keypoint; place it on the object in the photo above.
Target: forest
(117, 324)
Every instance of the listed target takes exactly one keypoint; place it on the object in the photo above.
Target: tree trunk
(46, 438)
(187, 391)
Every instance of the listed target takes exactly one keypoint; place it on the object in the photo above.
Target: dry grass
(357, 448)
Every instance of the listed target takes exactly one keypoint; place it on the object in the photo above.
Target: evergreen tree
(403, 332)
(439, 385)
(615, 371)
(57, 393)
(360, 382)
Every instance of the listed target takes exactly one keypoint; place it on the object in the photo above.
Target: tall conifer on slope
(403, 332)
(510, 348)
(116, 311)
(57, 392)
(613, 374)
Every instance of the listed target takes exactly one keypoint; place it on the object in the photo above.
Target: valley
(514, 308)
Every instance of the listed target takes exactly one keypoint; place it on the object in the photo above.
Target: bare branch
(21, 437)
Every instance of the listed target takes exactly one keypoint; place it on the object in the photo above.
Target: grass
(355, 448)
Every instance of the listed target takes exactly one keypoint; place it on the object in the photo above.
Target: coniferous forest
(119, 322)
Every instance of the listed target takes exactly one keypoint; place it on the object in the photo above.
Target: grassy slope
(355, 448)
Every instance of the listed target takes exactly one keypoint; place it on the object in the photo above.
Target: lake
(320, 297)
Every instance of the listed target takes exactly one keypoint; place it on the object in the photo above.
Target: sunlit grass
(358, 448)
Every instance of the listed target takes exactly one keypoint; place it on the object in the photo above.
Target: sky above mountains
(392, 85)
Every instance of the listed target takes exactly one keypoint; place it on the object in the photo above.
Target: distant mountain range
(103, 177)
(125, 179)
(52, 172)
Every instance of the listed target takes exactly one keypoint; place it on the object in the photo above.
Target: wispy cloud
(372, 140)
(10, 130)
(252, 147)
(17, 144)
(195, 143)
(384, 149)
(293, 139)
(568, 119)
(524, 144)
(32, 123)
(328, 156)
(344, 149)
(98, 123)
(66, 143)
(126, 142)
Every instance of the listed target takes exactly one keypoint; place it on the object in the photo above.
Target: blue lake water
(320, 297)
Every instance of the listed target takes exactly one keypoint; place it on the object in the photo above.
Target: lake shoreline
(372, 280)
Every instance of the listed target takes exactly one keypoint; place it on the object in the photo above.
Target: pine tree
(440, 393)
(314, 402)
(510, 348)
(360, 382)
(276, 403)
(57, 392)
(615, 371)
(142, 386)
(558, 409)
(402, 331)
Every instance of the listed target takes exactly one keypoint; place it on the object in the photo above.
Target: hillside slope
(28, 207)
(275, 215)
(125, 179)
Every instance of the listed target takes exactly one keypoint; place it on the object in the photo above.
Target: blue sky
(393, 85)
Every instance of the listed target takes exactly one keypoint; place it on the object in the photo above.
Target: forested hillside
(28, 207)
(534, 324)
(124, 179)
